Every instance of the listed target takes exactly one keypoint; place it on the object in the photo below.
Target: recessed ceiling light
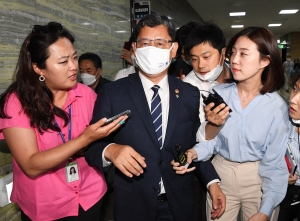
(278, 41)
(237, 26)
(237, 13)
(121, 31)
(292, 11)
(274, 25)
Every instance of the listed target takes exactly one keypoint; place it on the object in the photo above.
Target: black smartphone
(111, 119)
(126, 45)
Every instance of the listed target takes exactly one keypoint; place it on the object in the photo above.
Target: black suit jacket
(135, 199)
(101, 84)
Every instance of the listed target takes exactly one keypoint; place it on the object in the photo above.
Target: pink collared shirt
(50, 196)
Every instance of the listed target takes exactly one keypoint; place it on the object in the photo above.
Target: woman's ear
(37, 69)
(265, 62)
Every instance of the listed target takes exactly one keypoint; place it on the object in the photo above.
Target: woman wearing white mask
(130, 63)
(90, 66)
(250, 146)
(289, 207)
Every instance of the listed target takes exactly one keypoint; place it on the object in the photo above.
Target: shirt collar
(73, 93)
(147, 84)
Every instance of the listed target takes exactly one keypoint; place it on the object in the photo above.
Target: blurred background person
(130, 64)
(290, 206)
(90, 66)
(44, 115)
(182, 66)
(295, 70)
(288, 66)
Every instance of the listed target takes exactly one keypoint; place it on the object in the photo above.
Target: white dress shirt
(124, 73)
(203, 86)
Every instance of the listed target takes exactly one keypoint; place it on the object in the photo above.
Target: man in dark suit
(146, 186)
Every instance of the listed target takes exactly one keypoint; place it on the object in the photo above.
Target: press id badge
(72, 172)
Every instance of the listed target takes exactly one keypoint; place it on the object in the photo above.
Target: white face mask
(213, 74)
(296, 121)
(153, 60)
(88, 79)
(133, 60)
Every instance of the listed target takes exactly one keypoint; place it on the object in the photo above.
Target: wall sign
(141, 9)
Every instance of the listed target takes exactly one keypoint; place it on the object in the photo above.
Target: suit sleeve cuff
(105, 162)
(213, 181)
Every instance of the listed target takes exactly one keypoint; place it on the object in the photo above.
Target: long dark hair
(35, 97)
(272, 77)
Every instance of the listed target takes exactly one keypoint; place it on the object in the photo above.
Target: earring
(42, 78)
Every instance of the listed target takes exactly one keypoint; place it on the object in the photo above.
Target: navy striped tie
(156, 114)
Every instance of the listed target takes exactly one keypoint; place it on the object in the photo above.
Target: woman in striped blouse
(290, 206)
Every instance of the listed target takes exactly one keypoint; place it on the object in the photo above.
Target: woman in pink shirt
(44, 118)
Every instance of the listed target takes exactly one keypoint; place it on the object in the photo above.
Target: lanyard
(69, 126)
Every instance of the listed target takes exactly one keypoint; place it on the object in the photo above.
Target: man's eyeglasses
(159, 43)
(44, 29)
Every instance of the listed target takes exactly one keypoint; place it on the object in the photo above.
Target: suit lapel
(137, 94)
(173, 109)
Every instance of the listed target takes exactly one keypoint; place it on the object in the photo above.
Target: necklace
(244, 97)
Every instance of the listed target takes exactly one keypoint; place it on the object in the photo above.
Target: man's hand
(218, 200)
(126, 159)
(259, 217)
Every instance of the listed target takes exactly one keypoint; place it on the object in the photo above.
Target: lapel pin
(177, 93)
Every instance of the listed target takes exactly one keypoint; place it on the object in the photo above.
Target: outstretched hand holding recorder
(111, 119)
(216, 112)
(214, 98)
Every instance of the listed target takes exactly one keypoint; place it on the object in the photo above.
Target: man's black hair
(93, 58)
(205, 33)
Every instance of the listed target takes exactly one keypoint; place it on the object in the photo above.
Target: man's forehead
(154, 32)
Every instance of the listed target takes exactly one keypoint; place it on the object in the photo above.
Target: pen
(295, 170)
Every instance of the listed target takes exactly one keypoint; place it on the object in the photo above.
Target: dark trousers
(200, 199)
(92, 214)
(287, 211)
(163, 212)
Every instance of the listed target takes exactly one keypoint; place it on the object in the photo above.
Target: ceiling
(258, 13)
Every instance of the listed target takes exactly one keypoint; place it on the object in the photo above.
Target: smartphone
(111, 119)
(126, 45)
